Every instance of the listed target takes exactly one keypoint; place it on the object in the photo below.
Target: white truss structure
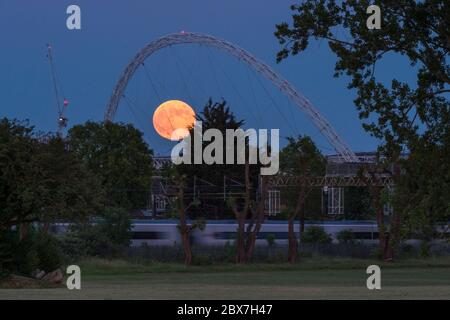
(330, 181)
(325, 128)
(159, 162)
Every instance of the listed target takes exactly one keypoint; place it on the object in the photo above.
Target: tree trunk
(185, 241)
(250, 246)
(394, 237)
(184, 228)
(251, 241)
(46, 227)
(302, 219)
(259, 217)
(395, 229)
(386, 249)
(241, 216)
(298, 211)
(186, 248)
(23, 231)
(293, 245)
(380, 219)
(240, 241)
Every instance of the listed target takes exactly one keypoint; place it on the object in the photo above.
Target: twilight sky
(89, 62)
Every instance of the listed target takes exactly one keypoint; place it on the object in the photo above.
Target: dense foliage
(44, 179)
(411, 119)
(119, 156)
(40, 180)
(211, 179)
(107, 235)
(314, 234)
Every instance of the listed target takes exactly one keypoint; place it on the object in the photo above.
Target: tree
(216, 115)
(40, 180)
(75, 192)
(412, 119)
(357, 203)
(118, 154)
(301, 158)
(246, 237)
(424, 192)
(178, 200)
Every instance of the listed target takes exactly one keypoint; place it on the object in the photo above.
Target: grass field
(311, 279)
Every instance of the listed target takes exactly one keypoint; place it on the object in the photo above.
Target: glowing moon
(173, 117)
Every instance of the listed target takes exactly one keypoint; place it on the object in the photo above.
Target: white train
(220, 232)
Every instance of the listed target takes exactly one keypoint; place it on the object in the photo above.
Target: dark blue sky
(90, 61)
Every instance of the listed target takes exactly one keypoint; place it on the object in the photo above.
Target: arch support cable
(324, 127)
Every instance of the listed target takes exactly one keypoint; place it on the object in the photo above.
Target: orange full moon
(173, 119)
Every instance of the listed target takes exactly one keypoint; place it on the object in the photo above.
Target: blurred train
(220, 232)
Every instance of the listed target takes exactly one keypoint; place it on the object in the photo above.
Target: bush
(376, 253)
(73, 244)
(230, 252)
(116, 226)
(36, 251)
(271, 239)
(315, 234)
(87, 240)
(202, 260)
(25, 259)
(346, 236)
(107, 237)
(425, 249)
(48, 252)
(7, 244)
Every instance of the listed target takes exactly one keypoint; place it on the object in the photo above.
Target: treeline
(100, 171)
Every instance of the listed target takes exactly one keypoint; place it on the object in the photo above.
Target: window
(273, 203)
(335, 200)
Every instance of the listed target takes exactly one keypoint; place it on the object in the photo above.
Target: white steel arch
(302, 102)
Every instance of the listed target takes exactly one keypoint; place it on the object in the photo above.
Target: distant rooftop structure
(335, 166)
(160, 161)
(366, 157)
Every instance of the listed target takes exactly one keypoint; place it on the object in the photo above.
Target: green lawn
(312, 279)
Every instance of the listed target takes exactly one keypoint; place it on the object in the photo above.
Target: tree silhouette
(411, 119)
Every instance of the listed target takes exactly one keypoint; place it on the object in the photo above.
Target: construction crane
(61, 105)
